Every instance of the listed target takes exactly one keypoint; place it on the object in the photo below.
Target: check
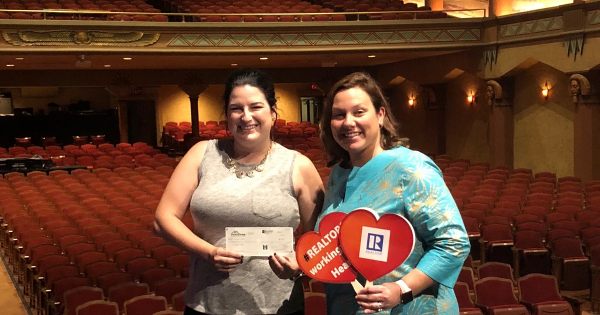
(260, 241)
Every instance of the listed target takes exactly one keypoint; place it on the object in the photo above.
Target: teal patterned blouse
(407, 183)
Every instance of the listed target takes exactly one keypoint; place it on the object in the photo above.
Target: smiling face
(249, 116)
(355, 125)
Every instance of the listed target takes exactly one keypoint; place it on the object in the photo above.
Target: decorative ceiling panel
(326, 39)
(532, 27)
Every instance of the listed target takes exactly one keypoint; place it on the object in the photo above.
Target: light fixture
(545, 90)
(234, 64)
(107, 66)
(471, 97)
(19, 58)
(10, 65)
(127, 58)
(411, 101)
(371, 56)
(264, 58)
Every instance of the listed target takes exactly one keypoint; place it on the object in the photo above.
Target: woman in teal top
(360, 136)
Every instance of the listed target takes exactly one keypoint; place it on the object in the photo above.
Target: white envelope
(260, 241)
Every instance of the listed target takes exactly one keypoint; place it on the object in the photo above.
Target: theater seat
(496, 296)
(541, 296)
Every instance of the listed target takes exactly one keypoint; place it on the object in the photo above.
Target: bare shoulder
(199, 147)
(305, 173)
(195, 154)
(302, 163)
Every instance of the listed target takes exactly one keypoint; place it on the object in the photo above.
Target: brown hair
(389, 130)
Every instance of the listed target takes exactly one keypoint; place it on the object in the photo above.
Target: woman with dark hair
(246, 181)
(371, 170)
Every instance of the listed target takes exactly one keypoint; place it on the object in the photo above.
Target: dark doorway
(141, 122)
(310, 109)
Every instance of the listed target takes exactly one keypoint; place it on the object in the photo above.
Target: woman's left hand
(379, 297)
(283, 266)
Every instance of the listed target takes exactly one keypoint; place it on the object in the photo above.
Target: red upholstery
(465, 304)
(540, 293)
(495, 296)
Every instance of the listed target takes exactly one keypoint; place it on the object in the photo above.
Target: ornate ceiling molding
(326, 39)
(593, 17)
(80, 38)
(550, 24)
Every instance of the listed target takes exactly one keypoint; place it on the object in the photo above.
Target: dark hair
(389, 131)
(252, 77)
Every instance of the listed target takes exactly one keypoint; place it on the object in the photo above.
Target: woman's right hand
(224, 260)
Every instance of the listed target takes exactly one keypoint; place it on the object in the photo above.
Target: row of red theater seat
(299, 136)
(212, 128)
(143, 11)
(85, 228)
(536, 222)
(495, 286)
(83, 176)
(107, 5)
(91, 231)
(562, 252)
(213, 124)
(219, 11)
(295, 11)
(105, 155)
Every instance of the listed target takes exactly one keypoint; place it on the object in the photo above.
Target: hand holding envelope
(358, 242)
(224, 260)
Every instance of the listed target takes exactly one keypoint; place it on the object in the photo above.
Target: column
(501, 131)
(436, 113)
(193, 91)
(500, 7)
(435, 5)
(586, 129)
(121, 93)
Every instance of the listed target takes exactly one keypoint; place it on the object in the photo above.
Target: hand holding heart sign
(358, 242)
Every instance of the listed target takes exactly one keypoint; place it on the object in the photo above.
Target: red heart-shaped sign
(375, 247)
(319, 255)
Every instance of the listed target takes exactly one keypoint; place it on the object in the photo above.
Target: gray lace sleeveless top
(221, 200)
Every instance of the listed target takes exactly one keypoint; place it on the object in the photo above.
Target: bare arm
(309, 193)
(173, 206)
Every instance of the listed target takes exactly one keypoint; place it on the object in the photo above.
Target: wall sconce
(411, 101)
(471, 98)
(545, 90)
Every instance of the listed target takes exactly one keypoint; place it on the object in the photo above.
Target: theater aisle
(10, 303)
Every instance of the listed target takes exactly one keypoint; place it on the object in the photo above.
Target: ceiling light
(234, 64)
(371, 56)
(264, 58)
(19, 58)
(10, 65)
(107, 66)
(127, 58)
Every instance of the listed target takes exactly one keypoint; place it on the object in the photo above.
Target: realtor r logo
(374, 242)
